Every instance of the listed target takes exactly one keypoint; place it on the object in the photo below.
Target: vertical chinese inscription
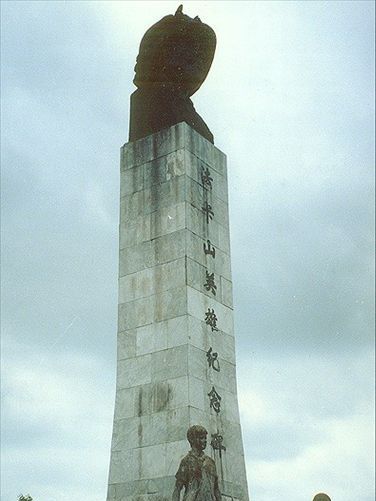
(210, 316)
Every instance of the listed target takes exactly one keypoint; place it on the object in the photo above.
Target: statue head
(176, 52)
(197, 437)
(321, 497)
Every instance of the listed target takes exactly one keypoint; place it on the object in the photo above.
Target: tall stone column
(176, 354)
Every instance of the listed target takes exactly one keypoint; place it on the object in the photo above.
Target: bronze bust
(174, 59)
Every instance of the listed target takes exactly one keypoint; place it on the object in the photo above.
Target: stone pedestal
(176, 356)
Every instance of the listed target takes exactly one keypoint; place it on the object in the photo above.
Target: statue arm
(177, 490)
(217, 492)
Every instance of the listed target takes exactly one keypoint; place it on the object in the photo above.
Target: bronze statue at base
(197, 472)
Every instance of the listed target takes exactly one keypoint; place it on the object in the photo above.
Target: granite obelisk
(176, 353)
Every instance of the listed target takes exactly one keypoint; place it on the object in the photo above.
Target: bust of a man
(197, 472)
(173, 61)
(321, 497)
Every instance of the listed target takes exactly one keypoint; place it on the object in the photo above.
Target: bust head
(197, 437)
(321, 497)
(176, 52)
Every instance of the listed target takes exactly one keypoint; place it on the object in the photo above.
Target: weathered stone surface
(198, 304)
(152, 280)
(202, 337)
(145, 430)
(178, 137)
(198, 367)
(169, 247)
(134, 490)
(221, 265)
(146, 310)
(134, 371)
(217, 233)
(153, 147)
(175, 305)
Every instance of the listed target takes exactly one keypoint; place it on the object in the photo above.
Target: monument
(176, 376)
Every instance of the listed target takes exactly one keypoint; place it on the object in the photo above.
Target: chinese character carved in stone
(217, 443)
(206, 179)
(215, 400)
(210, 284)
(209, 249)
(208, 211)
(213, 359)
(211, 319)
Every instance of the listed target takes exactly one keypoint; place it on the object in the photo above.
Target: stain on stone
(158, 306)
(170, 170)
(154, 197)
(155, 172)
(154, 496)
(140, 433)
(139, 402)
(160, 397)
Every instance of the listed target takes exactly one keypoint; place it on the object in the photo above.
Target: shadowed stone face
(174, 59)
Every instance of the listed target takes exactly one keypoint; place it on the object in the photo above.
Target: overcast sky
(289, 99)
